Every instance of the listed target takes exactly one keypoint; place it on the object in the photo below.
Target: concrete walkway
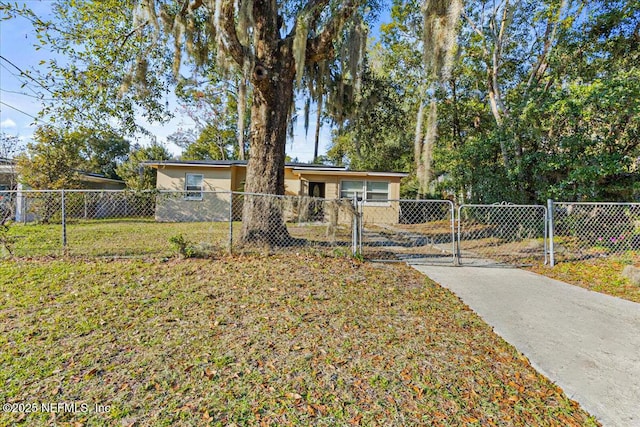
(586, 342)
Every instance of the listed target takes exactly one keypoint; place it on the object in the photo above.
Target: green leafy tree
(134, 173)
(123, 54)
(52, 161)
(585, 145)
(104, 152)
(219, 110)
(375, 137)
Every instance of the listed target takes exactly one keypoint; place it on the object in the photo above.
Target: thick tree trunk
(273, 77)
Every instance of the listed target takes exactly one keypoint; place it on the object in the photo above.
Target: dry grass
(283, 340)
(600, 274)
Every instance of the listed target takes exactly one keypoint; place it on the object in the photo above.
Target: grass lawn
(147, 238)
(601, 274)
(281, 340)
(119, 237)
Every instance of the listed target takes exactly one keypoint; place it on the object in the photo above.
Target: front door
(316, 190)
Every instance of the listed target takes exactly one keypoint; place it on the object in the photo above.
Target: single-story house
(379, 190)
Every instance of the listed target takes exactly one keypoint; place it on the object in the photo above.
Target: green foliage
(567, 96)
(104, 153)
(137, 176)
(213, 106)
(52, 162)
(375, 137)
(212, 143)
(57, 158)
(185, 248)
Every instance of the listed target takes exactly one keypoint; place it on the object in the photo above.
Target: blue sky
(19, 104)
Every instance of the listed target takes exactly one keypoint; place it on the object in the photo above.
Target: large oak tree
(124, 55)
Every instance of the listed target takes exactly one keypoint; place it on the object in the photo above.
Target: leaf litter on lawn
(281, 340)
(599, 274)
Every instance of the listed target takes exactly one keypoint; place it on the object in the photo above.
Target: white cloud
(7, 123)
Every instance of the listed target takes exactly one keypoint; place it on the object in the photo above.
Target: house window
(348, 189)
(371, 191)
(377, 191)
(193, 186)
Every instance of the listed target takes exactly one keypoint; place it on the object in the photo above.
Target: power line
(20, 111)
(22, 73)
(37, 95)
(26, 94)
(19, 77)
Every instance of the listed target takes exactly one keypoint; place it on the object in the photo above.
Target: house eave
(298, 171)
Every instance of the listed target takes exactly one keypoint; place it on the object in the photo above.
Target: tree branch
(229, 40)
(132, 32)
(321, 47)
(313, 8)
(477, 30)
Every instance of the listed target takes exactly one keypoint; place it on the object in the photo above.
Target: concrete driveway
(586, 342)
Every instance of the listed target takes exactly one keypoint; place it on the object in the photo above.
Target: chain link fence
(162, 224)
(588, 230)
(503, 232)
(289, 223)
(408, 230)
(201, 223)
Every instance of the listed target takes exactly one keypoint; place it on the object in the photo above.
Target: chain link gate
(128, 223)
(502, 232)
(408, 230)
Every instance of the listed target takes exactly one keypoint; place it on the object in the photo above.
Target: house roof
(309, 171)
(7, 167)
(297, 168)
(226, 163)
(96, 177)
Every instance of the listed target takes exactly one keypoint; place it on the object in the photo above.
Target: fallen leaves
(282, 340)
(597, 274)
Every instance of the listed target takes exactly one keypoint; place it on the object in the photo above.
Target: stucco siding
(292, 184)
(175, 208)
(214, 179)
(232, 178)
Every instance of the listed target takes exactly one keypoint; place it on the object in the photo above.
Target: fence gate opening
(504, 232)
(408, 230)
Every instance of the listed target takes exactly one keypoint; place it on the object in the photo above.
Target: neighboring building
(379, 190)
(21, 201)
(7, 175)
(9, 179)
(96, 181)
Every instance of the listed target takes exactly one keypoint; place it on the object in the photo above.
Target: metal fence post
(551, 232)
(355, 227)
(360, 225)
(459, 254)
(454, 248)
(64, 221)
(231, 223)
(23, 203)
